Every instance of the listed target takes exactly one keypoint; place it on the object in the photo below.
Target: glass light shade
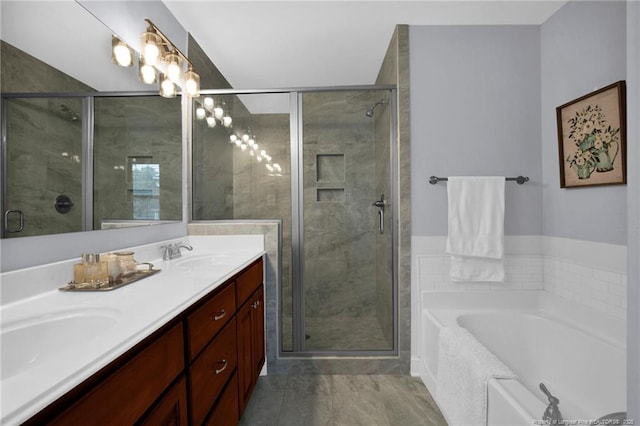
(256, 146)
(233, 138)
(277, 167)
(263, 152)
(218, 112)
(146, 73)
(121, 54)
(211, 122)
(208, 103)
(192, 83)
(269, 167)
(243, 146)
(259, 157)
(245, 137)
(226, 120)
(151, 46)
(238, 142)
(201, 113)
(251, 142)
(168, 88)
(174, 67)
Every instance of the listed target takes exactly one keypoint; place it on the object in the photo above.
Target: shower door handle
(380, 205)
(6, 221)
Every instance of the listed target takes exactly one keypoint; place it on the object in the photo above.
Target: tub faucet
(172, 251)
(552, 412)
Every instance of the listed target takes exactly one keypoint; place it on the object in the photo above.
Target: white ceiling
(268, 44)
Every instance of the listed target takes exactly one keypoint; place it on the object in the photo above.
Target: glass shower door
(42, 170)
(346, 222)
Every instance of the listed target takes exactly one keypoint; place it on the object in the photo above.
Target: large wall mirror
(85, 145)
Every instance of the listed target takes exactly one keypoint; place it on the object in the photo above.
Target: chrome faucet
(172, 251)
(552, 412)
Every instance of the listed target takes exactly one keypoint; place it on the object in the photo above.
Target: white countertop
(78, 333)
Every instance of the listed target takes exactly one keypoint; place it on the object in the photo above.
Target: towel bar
(519, 179)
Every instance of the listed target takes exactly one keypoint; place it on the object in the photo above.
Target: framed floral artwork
(592, 138)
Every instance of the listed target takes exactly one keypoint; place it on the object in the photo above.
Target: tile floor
(314, 400)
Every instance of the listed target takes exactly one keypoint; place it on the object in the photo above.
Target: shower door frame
(297, 273)
(297, 224)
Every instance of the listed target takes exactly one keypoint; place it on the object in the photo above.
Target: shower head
(369, 112)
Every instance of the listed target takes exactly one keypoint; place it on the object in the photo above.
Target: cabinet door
(251, 354)
(171, 410)
(257, 332)
(245, 343)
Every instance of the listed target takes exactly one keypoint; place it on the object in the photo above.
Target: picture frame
(592, 138)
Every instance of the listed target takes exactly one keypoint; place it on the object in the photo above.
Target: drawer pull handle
(224, 367)
(219, 315)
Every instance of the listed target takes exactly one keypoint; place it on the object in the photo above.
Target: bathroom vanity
(196, 359)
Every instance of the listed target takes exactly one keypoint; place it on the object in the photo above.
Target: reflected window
(145, 190)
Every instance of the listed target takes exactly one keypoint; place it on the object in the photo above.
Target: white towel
(476, 228)
(464, 369)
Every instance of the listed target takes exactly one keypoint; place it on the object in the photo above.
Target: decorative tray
(108, 286)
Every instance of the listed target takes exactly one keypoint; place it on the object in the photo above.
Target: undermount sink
(205, 262)
(29, 342)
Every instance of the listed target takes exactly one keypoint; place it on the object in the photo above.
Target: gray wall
(583, 48)
(475, 109)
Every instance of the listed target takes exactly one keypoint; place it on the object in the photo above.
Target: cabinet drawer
(211, 370)
(208, 319)
(248, 282)
(125, 395)
(226, 411)
(171, 409)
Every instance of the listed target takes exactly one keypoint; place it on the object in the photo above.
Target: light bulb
(259, 157)
(174, 67)
(238, 142)
(192, 83)
(151, 47)
(251, 142)
(226, 120)
(269, 167)
(167, 88)
(148, 74)
(245, 137)
(243, 146)
(276, 166)
(218, 112)
(211, 122)
(251, 153)
(263, 152)
(208, 103)
(255, 146)
(122, 54)
(201, 113)
(233, 138)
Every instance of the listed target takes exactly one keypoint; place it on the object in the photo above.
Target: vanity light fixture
(201, 113)
(159, 55)
(121, 53)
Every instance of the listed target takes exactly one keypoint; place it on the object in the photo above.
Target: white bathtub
(578, 354)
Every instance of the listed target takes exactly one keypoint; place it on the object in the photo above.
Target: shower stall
(322, 161)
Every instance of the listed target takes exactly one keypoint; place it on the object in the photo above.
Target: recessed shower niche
(330, 175)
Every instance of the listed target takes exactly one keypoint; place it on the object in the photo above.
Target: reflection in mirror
(136, 168)
(43, 161)
(137, 160)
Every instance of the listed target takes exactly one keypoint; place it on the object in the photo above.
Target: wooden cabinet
(171, 410)
(251, 353)
(226, 412)
(211, 371)
(153, 383)
(124, 396)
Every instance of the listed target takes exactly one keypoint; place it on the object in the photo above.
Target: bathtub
(577, 353)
